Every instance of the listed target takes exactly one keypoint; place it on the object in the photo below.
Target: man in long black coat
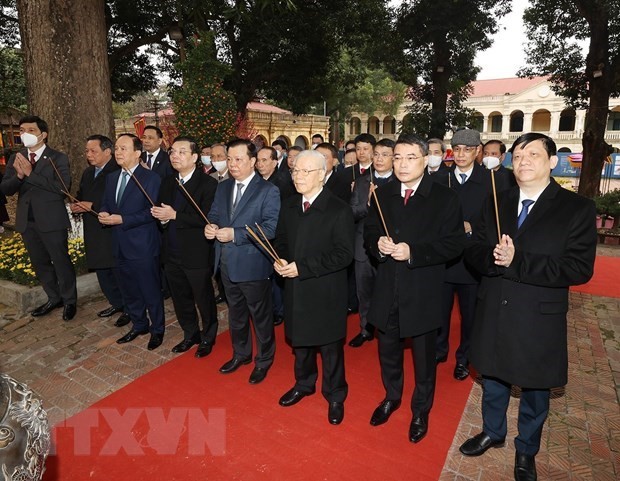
(548, 243)
(425, 230)
(314, 239)
(98, 238)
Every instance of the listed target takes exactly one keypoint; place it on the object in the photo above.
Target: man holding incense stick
(548, 244)
(315, 240)
(185, 198)
(39, 175)
(424, 221)
(126, 208)
(246, 199)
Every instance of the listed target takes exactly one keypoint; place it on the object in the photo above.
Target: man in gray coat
(548, 243)
(315, 240)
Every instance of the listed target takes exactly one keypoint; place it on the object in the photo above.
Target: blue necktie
(237, 198)
(524, 211)
(463, 178)
(121, 189)
(149, 161)
(97, 171)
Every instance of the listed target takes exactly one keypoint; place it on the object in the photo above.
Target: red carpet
(186, 421)
(606, 279)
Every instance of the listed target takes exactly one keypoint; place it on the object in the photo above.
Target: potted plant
(608, 208)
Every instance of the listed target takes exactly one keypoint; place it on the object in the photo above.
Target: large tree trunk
(67, 74)
(595, 149)
(440, 91)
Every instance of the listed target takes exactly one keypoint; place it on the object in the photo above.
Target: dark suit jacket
(194, 250)
(40, 191)
(161, 164)
(245, 260)
(320, 242)
(519, 334)
(432, 225)
(339, 186)
(282, 180)
(138, 236)
(97, 237)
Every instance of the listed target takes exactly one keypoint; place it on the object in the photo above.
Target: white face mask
(219, 165)
(434, 161)
(29, 140)
(490, 162)
(206, 159)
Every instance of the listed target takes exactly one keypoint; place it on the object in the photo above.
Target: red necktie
(408, 193)
(33, 157)
(362, 170)
(306, 206)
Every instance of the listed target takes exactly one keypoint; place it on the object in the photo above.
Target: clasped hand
(504, 252)
(399, 252)
(285, 269)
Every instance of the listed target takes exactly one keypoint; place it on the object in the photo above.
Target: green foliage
(12, 81)
(608, 204)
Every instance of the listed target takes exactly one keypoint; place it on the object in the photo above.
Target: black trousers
(109, 283)
(334, 386)
(191, 288)
(49, 255)
(245, 300)
(365, 274)
(466, 294)
(391, 356)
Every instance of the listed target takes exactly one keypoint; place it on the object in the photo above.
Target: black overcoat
(320, 242)
(519, 334)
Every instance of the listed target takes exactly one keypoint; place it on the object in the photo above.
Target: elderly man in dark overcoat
(424, 221)
(548, 243)
(315, 240)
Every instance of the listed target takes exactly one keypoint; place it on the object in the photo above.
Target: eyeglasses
(464, 150)
(408, 158)
(302, 172)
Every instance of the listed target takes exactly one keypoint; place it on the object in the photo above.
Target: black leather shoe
(335, 413)
(293, 396)
(461, 372)
(184, 346)
(219, 299)
(525, 467)
(418, 428)
(155, 341)
(110, 311)
(233, 365)
(277, 320)
(360, 339)
(204, 349)
(440, 359)
(123, 320)
(479, 444)
(68, 312)
(258, 375)
(130, 336)
(384, 411)
(46, 308)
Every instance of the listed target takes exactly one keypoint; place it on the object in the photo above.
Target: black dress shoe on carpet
(293, 396)
(258, 375)
(360, 339)
(479, 444)
(46, 308)
(155, 341)
(110, 311)
(204, 349)
(335, 413)
(69, 312)
(440, 359)
(418, 428)
(219, 299)
(525, 467)
(123, 320)
(384, 411)
(277, 320)
(184, 346)
(461, 372)
(234, 364)
(130, 336)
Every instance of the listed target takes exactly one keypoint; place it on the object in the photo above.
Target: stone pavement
(74, 364)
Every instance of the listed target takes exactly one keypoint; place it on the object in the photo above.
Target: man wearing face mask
(281, 149)
(205, 158)
(494, 152)
(42, 217)
(218, 161)
(436, 154)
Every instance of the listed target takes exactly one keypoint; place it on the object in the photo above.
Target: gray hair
(314, 155)
(220, 145)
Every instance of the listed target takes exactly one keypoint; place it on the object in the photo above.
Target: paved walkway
(73, 364)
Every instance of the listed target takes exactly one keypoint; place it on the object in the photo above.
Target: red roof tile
(261, 107)
(503, 86)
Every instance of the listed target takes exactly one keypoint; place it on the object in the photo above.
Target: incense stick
(260, 242)
(57, 172)
(273, 251)
(374, 194)
(192, 201)
(83, 206)
(140, 185)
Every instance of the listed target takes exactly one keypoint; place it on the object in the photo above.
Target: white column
(485, 124)
(527, 122)
(380, 127)
(555, 123)
(505, 125)
(580, 120)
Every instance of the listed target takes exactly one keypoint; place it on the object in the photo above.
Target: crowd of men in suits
(291, 233)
